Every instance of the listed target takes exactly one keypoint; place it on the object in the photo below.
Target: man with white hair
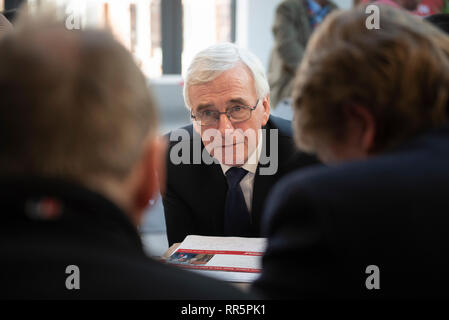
(221, 167)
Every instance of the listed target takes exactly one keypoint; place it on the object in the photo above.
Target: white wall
(253, 26)
(344, 4)
(253, 31)
(254, 21)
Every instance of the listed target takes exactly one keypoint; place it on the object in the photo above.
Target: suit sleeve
(286, 36)
(297, 260)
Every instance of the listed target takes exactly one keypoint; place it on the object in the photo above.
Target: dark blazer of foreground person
(79, 158)
(49, 225)
(195, 196)
(327, 225)
(374, 223)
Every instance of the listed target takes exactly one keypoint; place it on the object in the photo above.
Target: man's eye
(237, 108)
(207, 113)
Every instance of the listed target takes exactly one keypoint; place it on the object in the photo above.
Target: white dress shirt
(247, 183)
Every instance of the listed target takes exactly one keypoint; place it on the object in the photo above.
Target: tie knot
(234, 175)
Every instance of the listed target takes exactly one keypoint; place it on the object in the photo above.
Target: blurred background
(163, 36)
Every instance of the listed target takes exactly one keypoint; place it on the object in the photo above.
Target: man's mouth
(231, 145)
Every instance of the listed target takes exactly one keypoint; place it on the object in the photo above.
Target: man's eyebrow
(238, 100)
(231, 101)
(204, 106)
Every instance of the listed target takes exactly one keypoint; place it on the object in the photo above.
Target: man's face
(229, 142)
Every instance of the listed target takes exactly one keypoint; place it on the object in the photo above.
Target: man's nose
(224, 124)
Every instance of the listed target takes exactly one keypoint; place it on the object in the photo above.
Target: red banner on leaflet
(238, 253)
(217, 268)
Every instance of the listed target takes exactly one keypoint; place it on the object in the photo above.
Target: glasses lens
(240, 114)
(207, 117)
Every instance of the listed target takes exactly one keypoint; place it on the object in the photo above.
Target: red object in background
(429, 7)
(424, 8)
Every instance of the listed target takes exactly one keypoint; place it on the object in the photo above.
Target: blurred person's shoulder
(429, 152)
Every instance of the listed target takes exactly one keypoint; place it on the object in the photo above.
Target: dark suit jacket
(327, 225)
(91, 233)
(195, 195)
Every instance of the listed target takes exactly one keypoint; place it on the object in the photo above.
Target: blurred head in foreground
(76, 107)
(360, 91)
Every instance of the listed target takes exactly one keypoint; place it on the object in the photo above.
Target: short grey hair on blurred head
(74, 103)
(209, 63)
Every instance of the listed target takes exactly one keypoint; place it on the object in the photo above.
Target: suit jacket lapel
(213, 187)
(262, 183)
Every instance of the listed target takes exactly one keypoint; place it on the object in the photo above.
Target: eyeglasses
(235, 114)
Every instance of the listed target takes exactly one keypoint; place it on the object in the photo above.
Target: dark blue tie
(236, 219)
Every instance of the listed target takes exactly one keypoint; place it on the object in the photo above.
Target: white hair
(209, 63)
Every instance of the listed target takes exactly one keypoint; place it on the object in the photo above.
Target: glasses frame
(228, 114)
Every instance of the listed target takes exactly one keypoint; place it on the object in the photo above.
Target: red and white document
(234, 259)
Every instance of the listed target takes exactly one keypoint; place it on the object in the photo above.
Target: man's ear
(361, 125)
(152, 174)
(266, 109)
